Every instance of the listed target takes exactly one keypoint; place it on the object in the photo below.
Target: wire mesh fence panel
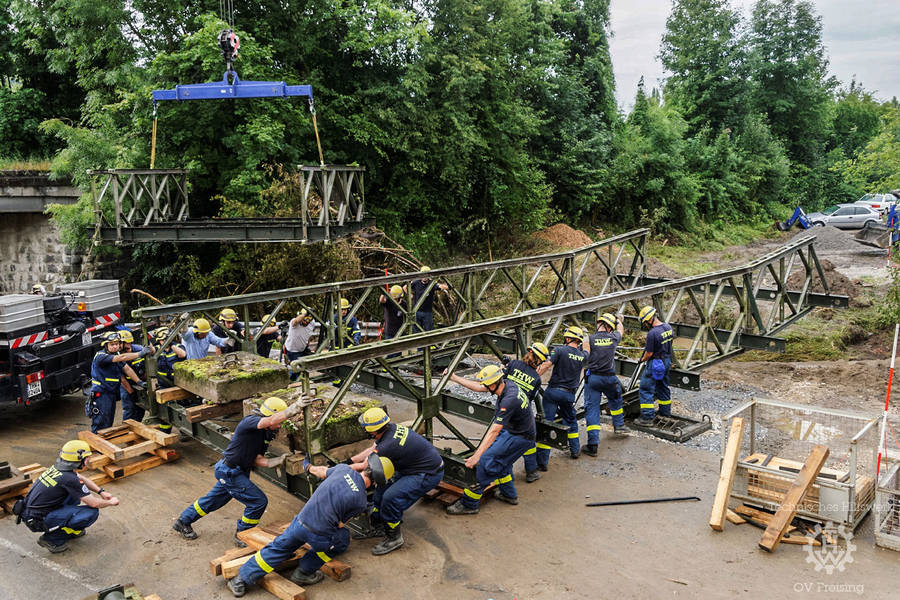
(776, 444)
(887, 496)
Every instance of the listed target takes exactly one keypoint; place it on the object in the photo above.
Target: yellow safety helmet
(109, 337)
(161, 333)
(396, 291)
(489, 375)
(228, 314)
(573, 332)
(646, 315)
(265, 318)
(424, 269)
(126, 336)
(304, 315)
(201, 325)
(37, 288)
(382, 468)
(540, 350)
(75, 451)
(608, 319)
(374, 419)
(272, 405)
(345, 304)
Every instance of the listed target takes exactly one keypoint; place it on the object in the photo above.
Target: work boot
(78, 535)
(591, 449)
(504, 498)
(54, 548)
(238, 542)
(237, 586)
(393, 539)
(458, 508)
(301, 577)
(543, 468)
(574, 455)
(531, 476)
(620, 430)
(644, 422)
(185, 529)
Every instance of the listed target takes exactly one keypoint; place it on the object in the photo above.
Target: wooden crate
(125, 450)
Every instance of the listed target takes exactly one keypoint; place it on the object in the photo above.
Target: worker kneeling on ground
(559, 397)
(60, 504)
(601, 364)
(418, 468)
(246, 450)
(319, 526)
(658, 358)
(509, 436)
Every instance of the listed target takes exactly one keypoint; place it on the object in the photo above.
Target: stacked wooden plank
(228, 565)
(447, 493)
(126, 449)
(201, 412)
(17, 484)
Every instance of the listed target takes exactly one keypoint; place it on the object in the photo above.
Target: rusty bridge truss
(501, 307)
(151, 205)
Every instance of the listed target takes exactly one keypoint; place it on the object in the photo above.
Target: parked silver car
(880, 202)
(845, 216)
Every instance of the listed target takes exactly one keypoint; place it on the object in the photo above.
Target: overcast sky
(862, 38)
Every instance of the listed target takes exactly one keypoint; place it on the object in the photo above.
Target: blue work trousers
(393, 499)
(68, 521)
(101, 408)
(425, 320)
(130, 408)
(594, 389)
(292, 356)
(496, 466)
(652, 389)
(561, 402)
(232, 483)
(324, 548)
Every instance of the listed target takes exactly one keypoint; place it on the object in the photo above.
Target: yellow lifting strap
(153, 139)
(312, 110)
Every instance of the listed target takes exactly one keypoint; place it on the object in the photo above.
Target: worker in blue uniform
(247, 449)
(657, 359)
(60, 504)
(394, 315)
(107, 369)
(418, 468)
(602, 380)
(199, 338)
(511, 433)
(320, 525)
(559, 397)
(165, 364)
(523, 373)
(423, 290)
(127, 393)
(351, 332)
(229, 319)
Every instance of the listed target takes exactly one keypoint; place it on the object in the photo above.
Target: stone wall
(30, 252)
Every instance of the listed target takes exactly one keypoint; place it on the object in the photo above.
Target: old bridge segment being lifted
(151, 205)
(715, 316)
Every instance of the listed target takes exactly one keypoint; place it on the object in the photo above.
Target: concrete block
(221, 379)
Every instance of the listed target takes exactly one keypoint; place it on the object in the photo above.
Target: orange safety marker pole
(887, 403)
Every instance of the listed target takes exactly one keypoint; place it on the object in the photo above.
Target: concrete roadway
(548, 547)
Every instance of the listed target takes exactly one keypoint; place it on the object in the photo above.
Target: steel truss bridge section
(728, 311)
(151, 205)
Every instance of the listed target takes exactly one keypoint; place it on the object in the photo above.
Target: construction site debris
(837, 283)
(564, 237)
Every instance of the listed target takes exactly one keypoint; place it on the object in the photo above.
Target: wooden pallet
(126, 449)
(230, 563)
(17, 485)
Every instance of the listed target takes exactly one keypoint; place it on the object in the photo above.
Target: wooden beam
(173, 394)
(792, 499)
(150, 433)
(735, 518)
(726, 475)
(97, 443)
(215, 565)
(136, 450)
(258, 537)
(114, 430)
(285, 589)
(204, 412)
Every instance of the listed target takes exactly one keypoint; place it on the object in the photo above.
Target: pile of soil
(837, 283)
(564, 237)
(831, 239)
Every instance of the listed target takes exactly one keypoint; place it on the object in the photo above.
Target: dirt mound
(837, 283)
(564, 237)
(829, 239)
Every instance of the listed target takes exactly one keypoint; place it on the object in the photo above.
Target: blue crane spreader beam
(238, 89)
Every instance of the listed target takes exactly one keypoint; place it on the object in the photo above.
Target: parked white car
(845, 216)
(879, 202)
